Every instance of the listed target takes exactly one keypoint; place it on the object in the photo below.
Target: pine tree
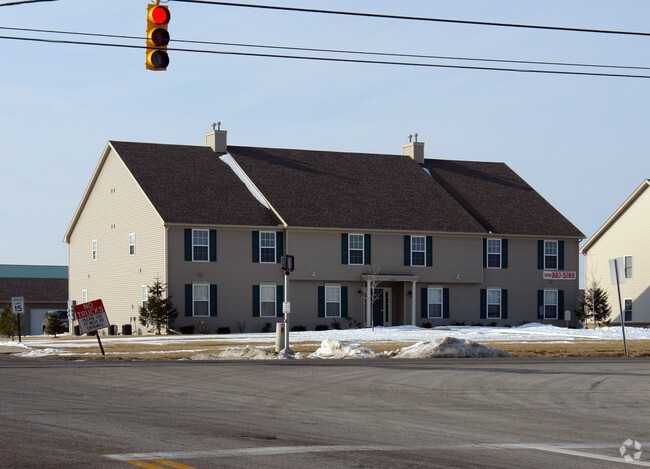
(54, 325)
(597, 303)
(8, 325)
(159, 312)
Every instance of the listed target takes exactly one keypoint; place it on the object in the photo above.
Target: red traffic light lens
(159, 15)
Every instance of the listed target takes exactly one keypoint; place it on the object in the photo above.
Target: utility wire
(23, 2)
(333, 59)
(336, 51)
(417, 18)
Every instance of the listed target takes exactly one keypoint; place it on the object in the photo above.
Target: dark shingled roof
(499, 199)
(352, 190)
(190, 184)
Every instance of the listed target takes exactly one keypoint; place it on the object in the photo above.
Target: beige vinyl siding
(116, 207)
(629, 235)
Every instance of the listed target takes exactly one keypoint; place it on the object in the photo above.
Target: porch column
(368, 304)
(413, 296)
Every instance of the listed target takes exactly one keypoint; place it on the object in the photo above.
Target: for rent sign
(91, 316)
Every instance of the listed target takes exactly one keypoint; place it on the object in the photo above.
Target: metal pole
(19, 338)
(286, 313)
(620, 307)
(100, 342)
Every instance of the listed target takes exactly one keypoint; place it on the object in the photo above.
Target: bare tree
(369, 290)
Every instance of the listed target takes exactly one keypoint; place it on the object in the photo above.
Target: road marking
(167, 463)
(563, 449)
(174, 464)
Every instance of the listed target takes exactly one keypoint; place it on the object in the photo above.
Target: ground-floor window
(550, 304)
(332, 301)
(628, 310)
(201, 300)
(434, 302)
(494, 304)
(267, 300)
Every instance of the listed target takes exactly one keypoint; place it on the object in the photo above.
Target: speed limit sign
(17, 304)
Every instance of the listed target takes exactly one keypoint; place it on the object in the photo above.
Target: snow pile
(14, 344)
(246, 353)
(330, 348)
(450, 347)
(43, 352)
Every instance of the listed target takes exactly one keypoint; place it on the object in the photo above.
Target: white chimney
(217, 139)
(414, 149)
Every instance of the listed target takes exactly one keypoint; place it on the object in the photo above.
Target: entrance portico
(407, 289)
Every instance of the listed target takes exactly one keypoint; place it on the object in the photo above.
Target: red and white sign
(559, 275)
(91, 316)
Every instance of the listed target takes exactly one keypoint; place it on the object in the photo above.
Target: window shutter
(188, 244)
(344, 302)
(560, 255)
(366, 250)
(188, 299)
(504, 253)
(483, 303)
(256, 301)
(504, 304)
(560, 304)
(344, 248)
(213, 300)
(321, 302)
(484, 253)
(256, 247)
(407, 250)
(445, 303)
(424, 303)
(429, 251)
(279, 299)
(213, 245)
(279, 246)
(540, 304)
(540, 254)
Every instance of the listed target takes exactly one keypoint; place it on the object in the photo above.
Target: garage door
(36, 316)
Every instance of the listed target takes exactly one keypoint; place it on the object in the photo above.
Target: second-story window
(628, 266)
(550, 255)
(200, 245)
(94, 250)
(355, 249)
(267, 246)
(418, 250)
(132, 244)
(494, 253)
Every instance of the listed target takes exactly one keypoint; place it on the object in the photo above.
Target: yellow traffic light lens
(159, 37)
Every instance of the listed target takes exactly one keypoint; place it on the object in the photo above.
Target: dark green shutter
(504, 253)
(344, 248)
(213, 300)
(279, 299)
(213, 245)
(279, 246)
(256, 246)
(540, 304)
(560, 255)
(485, 253)
(407, 250)
(483, 303)
(188, 244)
(540, 254)
(424, 302)
(560, 304)
(344, 302)
(321, 302)
(445, 303)
(188, 299)
(366, 250)
(504, 304)
(256, 301)
(429, 251)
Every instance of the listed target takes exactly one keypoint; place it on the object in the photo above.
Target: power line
(23, 2)
(338, 51)
(417, 18)
(334, 59)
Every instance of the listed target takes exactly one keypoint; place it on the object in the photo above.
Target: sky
(580, 141)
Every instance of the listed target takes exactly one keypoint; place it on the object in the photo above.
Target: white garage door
(36, 316)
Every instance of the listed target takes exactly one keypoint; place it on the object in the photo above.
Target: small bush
(186, 329)
(223, 330)
(458, 323)
(203, 328)
(267, 327)
(353, 322)
(336, 325)
(298, 328)
(492, 324)
(477, 324)
(427, 325)
(241, 326)
(321, 327)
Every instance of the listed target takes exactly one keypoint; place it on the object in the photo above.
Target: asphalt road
(324, 414)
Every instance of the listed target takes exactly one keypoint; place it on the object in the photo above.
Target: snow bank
(450, 347)
(330, 348)
(246, 353)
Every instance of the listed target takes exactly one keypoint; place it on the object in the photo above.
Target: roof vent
(414, 149)
(217, 139)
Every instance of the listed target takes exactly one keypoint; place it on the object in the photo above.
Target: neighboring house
(625, 235)
(448, 241)
(44, 287)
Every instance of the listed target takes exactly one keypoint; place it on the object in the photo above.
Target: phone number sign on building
(559, 275)
(91, 316)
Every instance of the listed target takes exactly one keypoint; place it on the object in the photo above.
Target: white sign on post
(617, 265)
(17, 304)
(91, 316)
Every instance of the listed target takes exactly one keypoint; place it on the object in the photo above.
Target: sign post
(18, 308)
(617, 276)
(91, 317)
(287, 265)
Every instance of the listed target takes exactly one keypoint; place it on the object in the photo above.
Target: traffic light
(157, 37)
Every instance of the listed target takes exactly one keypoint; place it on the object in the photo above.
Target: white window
(132, 244)
(267, 300)
(332, 301)
(94, 250)
(418, 250)
(267, 246)
(550, 255)
(550, 304)
(145, 295)
(494, 253)
(355, 249)
(434, 302)
(494, 304)
(628, 266)
(84, 296)
(628, 310)
(200, 245)
(201, 300)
